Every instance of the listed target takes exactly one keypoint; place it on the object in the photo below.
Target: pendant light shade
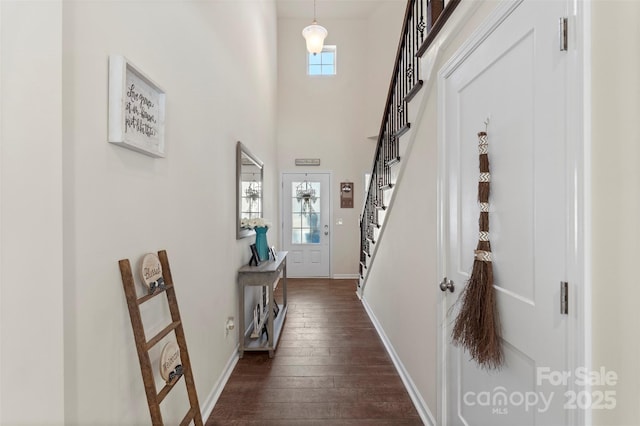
(314, 34)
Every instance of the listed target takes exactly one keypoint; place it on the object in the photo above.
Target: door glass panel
(296, 236)
(296, 205)
(305, 212)
(315, 205)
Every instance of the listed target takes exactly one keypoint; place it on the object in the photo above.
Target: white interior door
(306, 232)
(515, 77)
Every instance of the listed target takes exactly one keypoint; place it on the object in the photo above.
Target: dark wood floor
(330, 368)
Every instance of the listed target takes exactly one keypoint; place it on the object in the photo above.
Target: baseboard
(346, 276)
(215, 393)
(416, 398)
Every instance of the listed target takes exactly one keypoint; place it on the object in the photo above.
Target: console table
(266, 274)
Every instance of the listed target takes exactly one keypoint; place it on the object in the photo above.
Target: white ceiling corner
(329, 9)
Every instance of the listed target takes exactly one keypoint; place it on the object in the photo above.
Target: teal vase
(261, 243)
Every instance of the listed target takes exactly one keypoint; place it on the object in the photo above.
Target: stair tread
(414, 91)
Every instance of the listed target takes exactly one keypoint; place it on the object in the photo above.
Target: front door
(514, 80)
(306, 224)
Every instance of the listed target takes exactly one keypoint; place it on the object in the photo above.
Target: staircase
(423, 20)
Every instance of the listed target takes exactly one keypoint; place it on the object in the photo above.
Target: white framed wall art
(136, 109)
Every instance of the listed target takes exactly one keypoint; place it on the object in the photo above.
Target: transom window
(323, 63)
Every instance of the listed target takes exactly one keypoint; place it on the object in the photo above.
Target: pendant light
(314, 34)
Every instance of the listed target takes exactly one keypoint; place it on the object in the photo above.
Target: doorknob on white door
(447, 284)
(326, 230)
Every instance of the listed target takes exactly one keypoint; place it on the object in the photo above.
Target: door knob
(447, 284)
(326, 230)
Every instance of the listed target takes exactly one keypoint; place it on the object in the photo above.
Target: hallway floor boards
(330, 368)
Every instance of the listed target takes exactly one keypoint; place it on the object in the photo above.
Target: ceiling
(329, 9)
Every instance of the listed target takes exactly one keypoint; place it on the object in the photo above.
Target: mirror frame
(241, 151)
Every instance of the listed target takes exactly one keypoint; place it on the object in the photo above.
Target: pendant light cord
(314, 11)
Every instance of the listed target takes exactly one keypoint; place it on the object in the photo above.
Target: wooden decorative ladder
(143, 346)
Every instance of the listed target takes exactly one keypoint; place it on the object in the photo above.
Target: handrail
(394, 74)
(437, 25)
(418, 32)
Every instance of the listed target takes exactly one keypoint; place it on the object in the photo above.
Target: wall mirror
(249, 173)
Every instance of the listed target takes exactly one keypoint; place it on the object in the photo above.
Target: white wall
(382, 38)
(217, 63)
(616, 203)
(348, 105)
(400, 289)
(31, 284)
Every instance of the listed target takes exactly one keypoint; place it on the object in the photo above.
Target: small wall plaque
(307, 161)
(346, 195)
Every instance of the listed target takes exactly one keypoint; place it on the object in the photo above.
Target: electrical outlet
(229, 325)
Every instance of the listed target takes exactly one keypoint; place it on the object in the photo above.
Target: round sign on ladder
(170, 363)
(151, 271)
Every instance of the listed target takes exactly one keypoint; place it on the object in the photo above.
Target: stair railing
(423, 19)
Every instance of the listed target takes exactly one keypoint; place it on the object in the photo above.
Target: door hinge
(564, 297)
(563, 33)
